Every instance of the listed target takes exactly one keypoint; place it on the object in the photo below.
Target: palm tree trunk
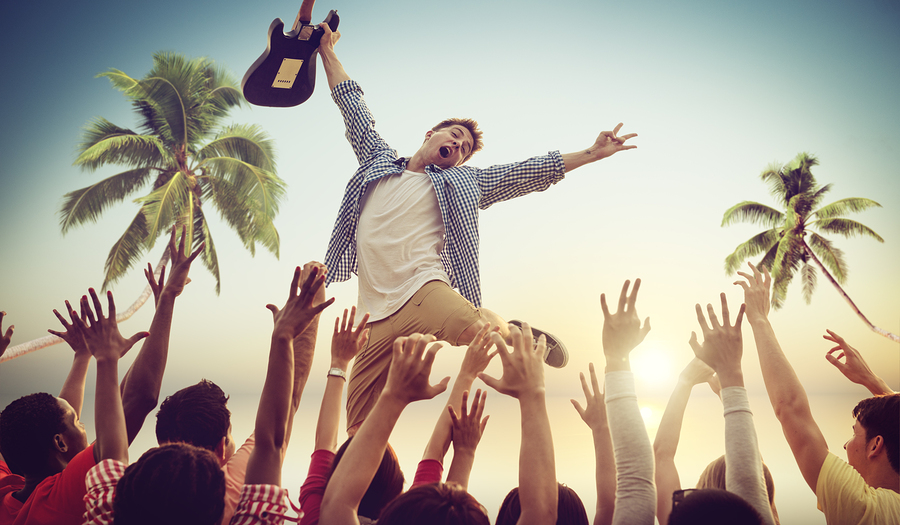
(50, 340)
(880, 331)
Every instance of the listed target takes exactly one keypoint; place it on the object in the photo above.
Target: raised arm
(6, 337)
(408, 381)
(468, 427)
(346, 342)
(73, 388)
(854, 367)
(476, 359)
(594, 415)
(786, 394)
(143, 381)
(635, 491)
(105, 342)
(334, 70)
(523, 379)
(722, 349)
(607, 144)
(669, 432)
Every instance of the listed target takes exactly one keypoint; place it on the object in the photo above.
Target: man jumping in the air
(408, 226)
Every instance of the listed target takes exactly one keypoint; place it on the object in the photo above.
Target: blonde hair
(713, 477)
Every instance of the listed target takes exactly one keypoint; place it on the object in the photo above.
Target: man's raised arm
(786, 394)
(333, 68)
(607, 144)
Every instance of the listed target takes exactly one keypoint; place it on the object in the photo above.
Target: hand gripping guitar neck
(285, 74)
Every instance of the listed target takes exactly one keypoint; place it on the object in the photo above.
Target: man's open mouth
(445, 152)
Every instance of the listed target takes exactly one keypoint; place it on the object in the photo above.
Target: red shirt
(58, 500)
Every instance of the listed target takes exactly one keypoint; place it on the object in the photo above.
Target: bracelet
(337, 372)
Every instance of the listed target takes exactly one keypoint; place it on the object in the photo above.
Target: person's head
(174, 484)
(40, 434)
(876, 434)
(385, 486)
(569, 508)
(711, 507)
(434, 504)
(713, 477)
(197, 415)
(452, 142)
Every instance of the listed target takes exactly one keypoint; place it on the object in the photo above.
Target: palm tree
(792, 241)
(186, 157)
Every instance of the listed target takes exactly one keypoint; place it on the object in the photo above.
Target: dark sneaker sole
(556, 354)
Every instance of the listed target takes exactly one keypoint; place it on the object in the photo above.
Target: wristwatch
(337, 372)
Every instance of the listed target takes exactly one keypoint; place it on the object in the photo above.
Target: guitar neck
(304, 16)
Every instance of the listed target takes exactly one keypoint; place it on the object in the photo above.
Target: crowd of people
(408, 228)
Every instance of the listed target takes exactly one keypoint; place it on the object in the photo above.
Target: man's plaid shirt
(460, 191)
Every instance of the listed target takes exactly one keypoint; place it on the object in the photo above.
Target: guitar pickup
(287, 73)
(306, 31)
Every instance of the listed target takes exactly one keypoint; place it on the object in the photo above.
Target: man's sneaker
(556, 354)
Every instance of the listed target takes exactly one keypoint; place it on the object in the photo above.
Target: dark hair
(470, 125)
(713, 477)
(385, 486)
(712, 507)
(197, 415)
(173, 484)
(569, 508)
(27, 427)
(435, 504)
(880, 416)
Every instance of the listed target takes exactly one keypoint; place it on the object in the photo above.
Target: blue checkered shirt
(461, 191)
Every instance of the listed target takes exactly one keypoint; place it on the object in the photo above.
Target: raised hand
(609, 142)
(756, 292)
(299, 310)
(854, 367)
(5, 338)
(523, 368)
(622, 331)
(101, 334)
(73, 335)
(594, 411)
(697, 372)
(722, 345)
(347, 342)
(468, 426)
(408, 376)
(181, 264)
(477, 355)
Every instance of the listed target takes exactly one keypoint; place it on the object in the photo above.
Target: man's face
(74, 434)
(448, 147)
(856, 448)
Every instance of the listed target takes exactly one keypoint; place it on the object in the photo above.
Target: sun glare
(651, 363)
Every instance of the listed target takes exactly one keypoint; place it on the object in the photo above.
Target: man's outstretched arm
(607, 144)
(786, 394)
(334, 70)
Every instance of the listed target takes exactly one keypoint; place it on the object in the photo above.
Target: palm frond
(163, 206)
(819, 194)
(247, 143)
(119, 80)
(845, 206)
(774, 178)
(752, 212)
(105, 143)
(809, 277)
(87, 204)
(846, 227)
(126, 251)
(769, 258)
(203, 235)
(261, 186)
(168, 115)
(231, 205)
(830, 256)
(761, 242)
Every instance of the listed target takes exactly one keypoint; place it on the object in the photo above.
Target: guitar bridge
(287, 73)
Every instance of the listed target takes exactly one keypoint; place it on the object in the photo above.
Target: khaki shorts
(435, 309)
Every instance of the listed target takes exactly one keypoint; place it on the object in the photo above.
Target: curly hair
(470, 125)
(434, 504)
(880, 416)
(197, 415)
(174, 484)
(27, 427)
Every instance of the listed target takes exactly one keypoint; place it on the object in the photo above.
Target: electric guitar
(285, 74)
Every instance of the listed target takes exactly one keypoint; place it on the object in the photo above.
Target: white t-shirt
(398, 242)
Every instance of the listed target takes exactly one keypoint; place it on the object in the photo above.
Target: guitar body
(285, 74)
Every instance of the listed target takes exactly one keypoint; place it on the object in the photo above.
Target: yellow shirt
(846, 499)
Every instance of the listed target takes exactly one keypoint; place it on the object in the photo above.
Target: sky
(716, 92)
